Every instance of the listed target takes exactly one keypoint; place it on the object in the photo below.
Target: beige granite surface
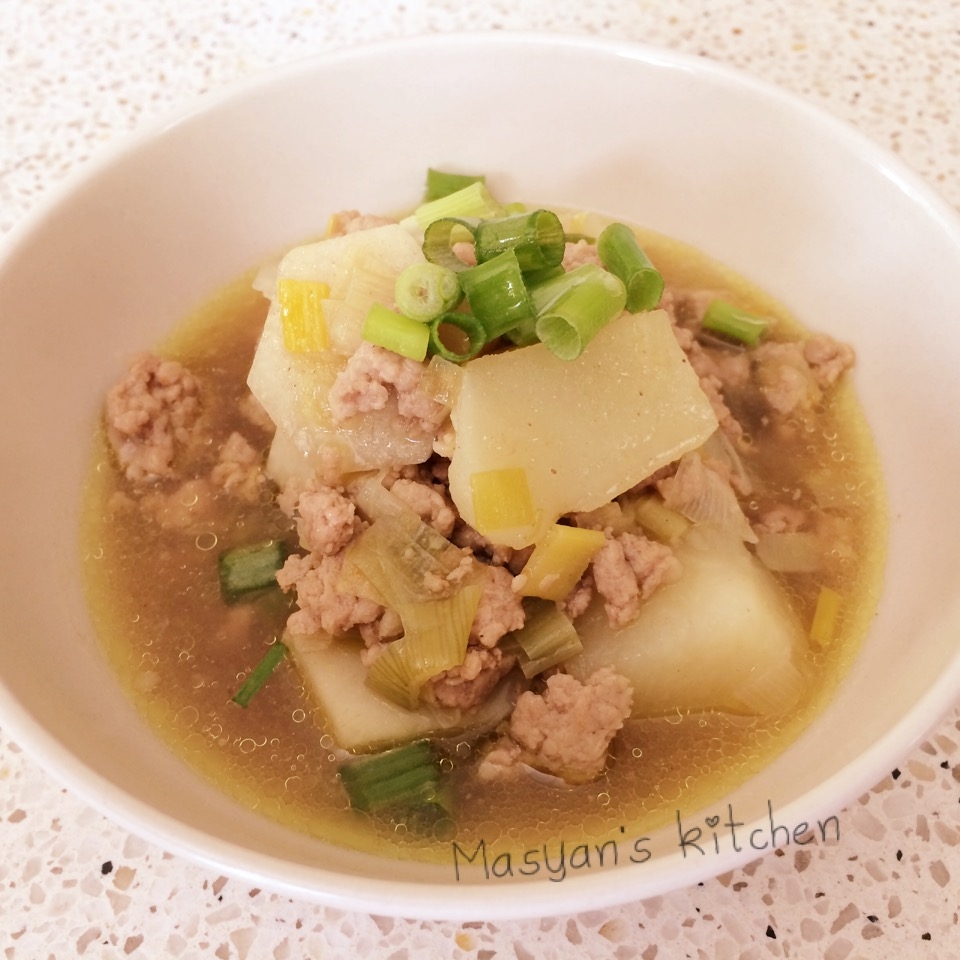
(76, 75)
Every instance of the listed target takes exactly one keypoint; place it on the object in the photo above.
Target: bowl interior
(846, 238)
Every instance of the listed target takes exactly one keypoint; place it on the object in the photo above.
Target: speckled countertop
(75, 75)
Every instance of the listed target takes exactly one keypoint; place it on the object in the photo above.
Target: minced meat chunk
(576, 602)
(786, 379)
(378, 633)
(616, 583)
(326, 519)
(500, 610)
(653, 563)
(579, 252)
(566, 730)
(237, 470)
(626, 570)
(715, 375)
(151, 415)
(254, 414)
(469, 684)
(429, 501)
(781, 518)
(322, 605)
(687, 307)
(364, 385)
(828, 358)
(189, 508)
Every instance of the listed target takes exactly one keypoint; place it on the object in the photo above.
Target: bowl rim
(593, 889)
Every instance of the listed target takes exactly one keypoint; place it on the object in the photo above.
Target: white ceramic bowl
(851, 241)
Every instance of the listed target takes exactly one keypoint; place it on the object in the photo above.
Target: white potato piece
(361, 721)
(584, 430)
(294, 388)
(721, 637)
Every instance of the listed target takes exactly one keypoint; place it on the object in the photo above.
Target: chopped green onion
(440, 237)
(497, 294)
(473, 201)
(547, 638)
(395, 332)
(536, 238)
(426, 290)
(622, 255)
(524, 334)
(536, 278)
(407, 777)
(457, 336)
(590, 300)
(260, 674)
(242, 570)
(442, 184)
(546, 286)
(730, 321)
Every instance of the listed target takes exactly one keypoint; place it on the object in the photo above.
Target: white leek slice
(435, 639)
(406, 560)
(584, 430)
(721, 637)
(703, 496)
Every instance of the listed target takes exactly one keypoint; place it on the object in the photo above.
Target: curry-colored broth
(181, 653)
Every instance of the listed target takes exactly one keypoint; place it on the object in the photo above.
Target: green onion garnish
(524, 334)
(591, 298)
(730, 321)
(440, 236)
(536, 238)
(260, 674)
(457, 336)
(442, 184)
(395, 332)
(497, 294)
(426, 290)
(622, 255)
(406, 777)
(473, 201)
(243, 570)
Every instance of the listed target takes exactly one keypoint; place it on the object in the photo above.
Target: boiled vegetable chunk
(293, 387)
(583, 431)
(361, 721)
(721, 637)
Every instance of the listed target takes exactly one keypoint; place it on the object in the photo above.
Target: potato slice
(721, 637)
(584, 430)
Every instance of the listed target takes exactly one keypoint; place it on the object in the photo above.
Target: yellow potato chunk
(583, 430)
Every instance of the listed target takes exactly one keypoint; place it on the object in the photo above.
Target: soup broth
(182, 653)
